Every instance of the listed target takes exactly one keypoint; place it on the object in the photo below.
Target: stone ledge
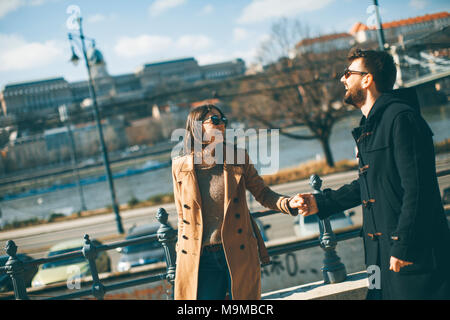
(353, 288)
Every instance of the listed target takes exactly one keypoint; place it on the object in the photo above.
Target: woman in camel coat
(219, 246)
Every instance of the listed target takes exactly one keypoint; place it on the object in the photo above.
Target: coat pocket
(417, 268)
(424, 262)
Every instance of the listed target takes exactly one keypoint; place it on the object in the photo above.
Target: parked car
(140, 254)
(306, 226)
(5, 279)
(63, 270)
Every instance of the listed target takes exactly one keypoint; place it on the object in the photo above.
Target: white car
(309, 225)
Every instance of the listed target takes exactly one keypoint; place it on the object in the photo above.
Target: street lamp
(381, 41)
(63, 116)
(75, 59)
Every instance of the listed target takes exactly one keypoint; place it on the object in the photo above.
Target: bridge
(421, 62)
(432, 77)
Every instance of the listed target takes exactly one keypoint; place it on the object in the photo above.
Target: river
(142, 186)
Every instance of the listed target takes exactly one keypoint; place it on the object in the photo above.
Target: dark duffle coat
(241, 239)
(403, 214)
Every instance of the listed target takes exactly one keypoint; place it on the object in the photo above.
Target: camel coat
(241, 240)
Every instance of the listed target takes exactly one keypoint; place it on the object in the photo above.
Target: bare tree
(295, 89)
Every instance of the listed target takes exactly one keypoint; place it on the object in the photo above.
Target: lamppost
(63, 116)
(381, 41)
(92, 94)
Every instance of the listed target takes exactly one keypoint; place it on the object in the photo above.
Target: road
(37, 240)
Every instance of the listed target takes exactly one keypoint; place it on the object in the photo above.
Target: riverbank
(22, 184)
(300, 172)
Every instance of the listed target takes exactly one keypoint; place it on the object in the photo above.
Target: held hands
(396, 264)
(305, 203)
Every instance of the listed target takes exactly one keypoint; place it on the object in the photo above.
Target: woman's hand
(305, 203)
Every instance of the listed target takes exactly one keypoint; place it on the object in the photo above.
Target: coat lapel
(188, 177)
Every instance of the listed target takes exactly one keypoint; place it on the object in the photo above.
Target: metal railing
(166, 235)
(15, 268)
(333, 270)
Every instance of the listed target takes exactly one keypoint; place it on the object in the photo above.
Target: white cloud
(196, 42)
(418, 4)
(240, 34)
(264, 37)
(207, 9)
(18, 54)
(260, 10)
(9, 6)
(96, 18)
(145, 45)
(128, 47)
(37, 2)
(160, 6)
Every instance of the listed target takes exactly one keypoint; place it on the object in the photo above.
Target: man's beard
(355, 96)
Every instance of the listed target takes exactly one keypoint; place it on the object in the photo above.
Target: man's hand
(396, 264)
(305, 203)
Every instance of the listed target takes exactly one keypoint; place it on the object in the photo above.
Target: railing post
(90, 253)
(168, 237)
(333, 269)
(16, 270)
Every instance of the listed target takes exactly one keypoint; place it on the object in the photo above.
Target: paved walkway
(353, 288)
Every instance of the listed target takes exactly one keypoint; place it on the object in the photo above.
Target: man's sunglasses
(348, 72)
(216, 120)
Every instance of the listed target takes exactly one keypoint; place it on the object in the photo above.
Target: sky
(34, 41)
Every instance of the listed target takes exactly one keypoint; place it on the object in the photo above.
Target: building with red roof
(401, 30)
(394, 31)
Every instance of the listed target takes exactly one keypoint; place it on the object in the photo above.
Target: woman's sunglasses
(216, 120)
(348, 72)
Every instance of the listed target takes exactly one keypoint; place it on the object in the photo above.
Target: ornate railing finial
(16, 270)
(333, 269)
(168, 237)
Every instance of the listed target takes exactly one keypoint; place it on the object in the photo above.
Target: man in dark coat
(405, 231)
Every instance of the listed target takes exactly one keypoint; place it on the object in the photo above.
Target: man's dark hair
(378, 63)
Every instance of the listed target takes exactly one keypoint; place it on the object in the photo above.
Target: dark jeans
(213, 277)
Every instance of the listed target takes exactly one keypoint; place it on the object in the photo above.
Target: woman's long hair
(193, 129)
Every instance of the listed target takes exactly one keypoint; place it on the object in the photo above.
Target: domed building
(97, 63)
(103, 81)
